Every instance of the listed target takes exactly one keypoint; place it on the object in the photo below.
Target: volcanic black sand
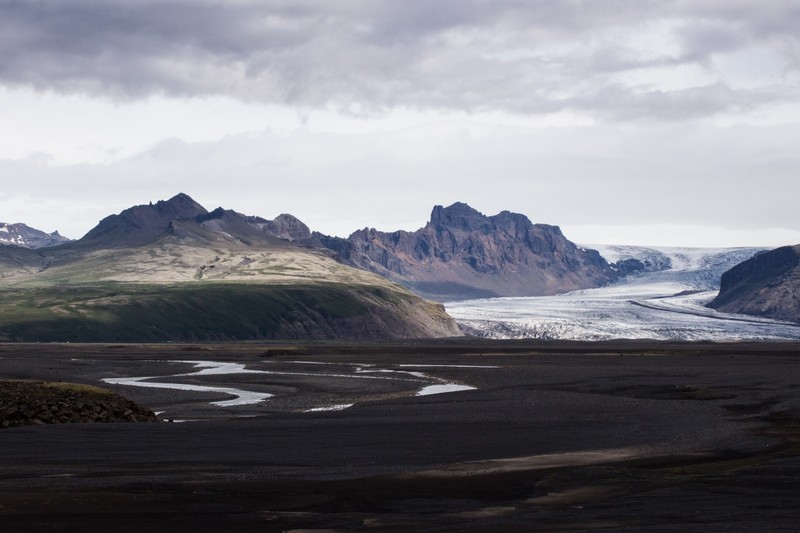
(628, 436)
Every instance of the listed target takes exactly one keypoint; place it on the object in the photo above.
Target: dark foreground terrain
(553, 437)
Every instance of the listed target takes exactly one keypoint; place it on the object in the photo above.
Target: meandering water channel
(423, 383)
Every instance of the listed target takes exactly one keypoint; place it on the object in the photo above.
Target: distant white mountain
(666, 301)
(28, 237)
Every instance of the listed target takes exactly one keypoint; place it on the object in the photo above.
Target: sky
(669, 122)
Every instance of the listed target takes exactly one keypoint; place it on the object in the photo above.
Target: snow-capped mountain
(697, 268)
(28, 237)
(653, 304)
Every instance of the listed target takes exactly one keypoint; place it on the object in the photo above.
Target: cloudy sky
(622, 121)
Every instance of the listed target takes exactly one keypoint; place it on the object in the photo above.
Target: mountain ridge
(142, 223)
(459, 254)
(175, 271)
(462, 253)
(295, 283)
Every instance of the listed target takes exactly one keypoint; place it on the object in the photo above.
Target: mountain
(27, 237)
(284, 226)
(766, 285)
(462, 253)
(142, 223)
(175, 271)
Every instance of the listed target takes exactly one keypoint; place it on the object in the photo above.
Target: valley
(527, 436)
(668, 304)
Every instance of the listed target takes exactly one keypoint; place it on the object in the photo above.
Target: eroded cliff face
(767, 285)
(462, 253)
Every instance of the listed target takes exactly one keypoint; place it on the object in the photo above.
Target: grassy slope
(184, 293)
(205, 289)
(199, 311)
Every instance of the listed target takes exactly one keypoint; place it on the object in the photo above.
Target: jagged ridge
(142, 223)
(462, 253)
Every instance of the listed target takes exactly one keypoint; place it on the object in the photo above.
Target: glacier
(665, 302)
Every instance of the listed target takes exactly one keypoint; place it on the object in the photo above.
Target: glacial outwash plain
(180, 369)
(542, 436)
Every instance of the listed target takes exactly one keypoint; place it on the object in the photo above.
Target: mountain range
(175, 271)
(459, 254)
(172, 270)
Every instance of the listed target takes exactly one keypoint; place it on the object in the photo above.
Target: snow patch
(447, 366)
(442, 389)
(214, 368)
(339, 407)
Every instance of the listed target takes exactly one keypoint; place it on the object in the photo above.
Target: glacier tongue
(659, 305)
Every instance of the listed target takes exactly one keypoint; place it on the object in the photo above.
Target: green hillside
(123, 312)
(171, 271)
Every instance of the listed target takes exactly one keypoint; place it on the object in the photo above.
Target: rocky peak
(212, 215)
(514, 223)
(27, 237)
(284, 226)
(459, 216)
(291, 228)
(179, 206)
(143, 223)
(463, 253)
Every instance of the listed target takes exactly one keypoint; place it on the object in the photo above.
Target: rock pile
(36, 402)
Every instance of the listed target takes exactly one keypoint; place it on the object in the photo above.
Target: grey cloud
(583, 175)
(468, 55)
(619, 103)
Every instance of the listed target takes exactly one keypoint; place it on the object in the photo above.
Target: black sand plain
(556, 436)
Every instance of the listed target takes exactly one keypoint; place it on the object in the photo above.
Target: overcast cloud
(523, 57)
(587, 114)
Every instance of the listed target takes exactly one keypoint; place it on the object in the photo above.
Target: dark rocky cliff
(767, 285)
(462, 253)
